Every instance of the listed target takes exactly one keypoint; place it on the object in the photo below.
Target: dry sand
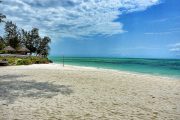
(51, 92)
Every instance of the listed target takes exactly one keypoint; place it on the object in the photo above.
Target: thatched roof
(9, 48)
(23, 49)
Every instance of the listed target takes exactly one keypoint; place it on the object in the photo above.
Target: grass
(26, 60)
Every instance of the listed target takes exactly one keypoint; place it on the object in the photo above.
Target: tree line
(17, 38)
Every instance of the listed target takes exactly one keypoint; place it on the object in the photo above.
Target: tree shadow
(11, 88)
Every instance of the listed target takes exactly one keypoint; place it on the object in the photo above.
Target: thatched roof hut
(23, 49)
(9, 49)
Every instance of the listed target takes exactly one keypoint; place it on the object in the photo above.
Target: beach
(54, 92)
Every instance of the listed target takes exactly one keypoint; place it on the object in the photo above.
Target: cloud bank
(72, 18)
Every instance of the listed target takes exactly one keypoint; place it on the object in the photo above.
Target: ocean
(162, 67)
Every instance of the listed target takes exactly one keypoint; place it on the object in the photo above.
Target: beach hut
(9, 49)
(23, 50)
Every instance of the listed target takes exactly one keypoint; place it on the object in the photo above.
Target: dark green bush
(23, 62)
(39, 60)
(2, 52)
(11, 60)
(19, 62)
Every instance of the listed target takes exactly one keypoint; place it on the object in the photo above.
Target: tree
(11, 34)
(2, 44)
(23, 37)
(44, 48)
(32, 39)
(15, 38)
(35, 37)
(2, 17)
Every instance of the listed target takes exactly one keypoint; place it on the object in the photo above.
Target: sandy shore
(51, 92)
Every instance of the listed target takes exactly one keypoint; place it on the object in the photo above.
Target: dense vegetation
(25, 60)
(18, 37)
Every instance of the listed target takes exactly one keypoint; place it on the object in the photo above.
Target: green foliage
(39, 60)
(16, 38)
(2, 17)
(3, 51)
(44, 47)
(2, 44)
(25, 61)
(33, 41)
(11, 34)
(11, 60)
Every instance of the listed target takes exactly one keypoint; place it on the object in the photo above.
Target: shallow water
(165, 67)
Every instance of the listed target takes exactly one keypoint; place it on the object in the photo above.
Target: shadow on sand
(11, 88)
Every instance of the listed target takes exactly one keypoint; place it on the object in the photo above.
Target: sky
(102, 28)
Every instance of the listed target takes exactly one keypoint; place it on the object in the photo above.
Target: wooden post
(63, 60)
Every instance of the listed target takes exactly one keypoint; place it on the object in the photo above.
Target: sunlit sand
(53, 92)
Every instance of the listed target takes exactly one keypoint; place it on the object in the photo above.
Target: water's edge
(158, 67)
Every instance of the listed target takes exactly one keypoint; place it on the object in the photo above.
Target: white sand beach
(51, 92)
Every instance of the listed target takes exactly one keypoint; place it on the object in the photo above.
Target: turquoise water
(165, 67)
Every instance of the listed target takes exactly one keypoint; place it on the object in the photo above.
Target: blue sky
(102, 28)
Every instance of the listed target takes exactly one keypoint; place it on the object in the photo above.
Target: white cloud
(72, 18)
(159, 20)
(175, 47)
(162, 33)
(132, 49)
(158, 33)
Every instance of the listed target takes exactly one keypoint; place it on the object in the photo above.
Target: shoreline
(51, 91)
(58, 66)
(121, 71)
(75, 67)
(158, 67)
(126, 71)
